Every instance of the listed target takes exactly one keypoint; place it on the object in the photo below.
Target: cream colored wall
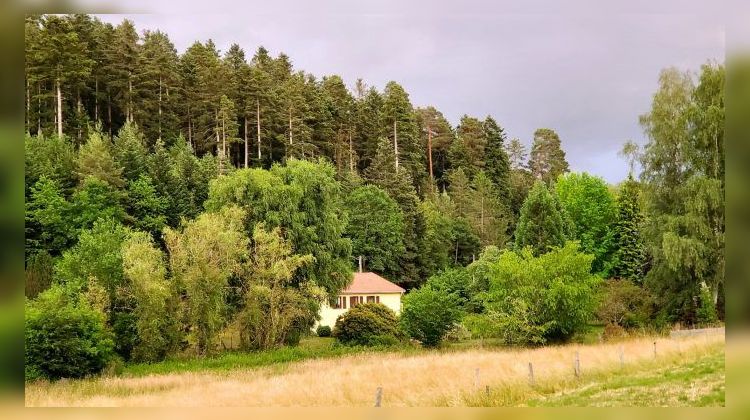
(328, 315)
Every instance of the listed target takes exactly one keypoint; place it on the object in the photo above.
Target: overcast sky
(586, 75)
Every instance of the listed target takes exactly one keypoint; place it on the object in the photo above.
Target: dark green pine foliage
(399, 119)
(398, 184)
(547, 159)
(130, 153)
(367, 115)
(170, 186)
(543, 223)
(440, 137)
(497, 165)
(472, 136)
(630, 257)
(158, 88)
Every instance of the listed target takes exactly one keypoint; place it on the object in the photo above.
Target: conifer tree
(542, 223)
(630, 255)
(497, 164)
(95, 160)
(547, 159)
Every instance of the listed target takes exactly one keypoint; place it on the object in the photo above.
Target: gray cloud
(586, 75)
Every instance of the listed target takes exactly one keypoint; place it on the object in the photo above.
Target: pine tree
(367, 123)
(130, 152)
(400, 125)
(542, 223)
(547, 160)
(158, 83)
(497, 164)
(95, 161)
(472, 135)
(399, 186)
(123, 56)
(630, 255)
(437, 138)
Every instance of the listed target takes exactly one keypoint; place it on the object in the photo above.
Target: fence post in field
(378, 396)
(622, 357)
(487, 390)
(577, 365)
(476, 378)
(531, 374)
(654, 349)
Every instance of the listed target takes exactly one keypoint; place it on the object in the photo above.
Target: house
(365, 287)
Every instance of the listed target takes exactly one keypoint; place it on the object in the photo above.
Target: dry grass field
(430, 378)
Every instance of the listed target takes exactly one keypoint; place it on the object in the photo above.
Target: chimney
(360, 263)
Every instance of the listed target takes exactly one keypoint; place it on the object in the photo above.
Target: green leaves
(591, 208)
(543, 222)
(376, 227)
(535, 299)
(429, 313)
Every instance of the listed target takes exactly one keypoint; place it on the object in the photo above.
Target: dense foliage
(534, 299)
(367, 324)
(174, 200)
(65, 337)
(429, 314)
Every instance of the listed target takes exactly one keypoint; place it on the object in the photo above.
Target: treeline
(183, 184)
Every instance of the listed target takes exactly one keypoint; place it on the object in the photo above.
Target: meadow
(685, 371)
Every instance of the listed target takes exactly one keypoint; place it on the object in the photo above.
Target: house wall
(329, 315)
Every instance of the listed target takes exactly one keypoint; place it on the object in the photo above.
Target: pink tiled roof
(371, 283)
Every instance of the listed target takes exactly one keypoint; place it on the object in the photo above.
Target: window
(353, 301)
(371, 299)
(377, 299)
(340, 301)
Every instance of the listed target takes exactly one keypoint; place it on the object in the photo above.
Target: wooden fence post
(487, 390)
(378, 396)
(654, 349)
(531, 374)
(577, 366)
(622, 357)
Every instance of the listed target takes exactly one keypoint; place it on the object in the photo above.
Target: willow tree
(273, 308)
(203, 254)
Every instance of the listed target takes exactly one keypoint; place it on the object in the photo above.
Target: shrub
(64, 337)
(624, 303)
(457, 332)
(323, 331)
(706, 312)
(366, 324)
(613, 332)
(514, 327)
(429, 314)
(537, 299)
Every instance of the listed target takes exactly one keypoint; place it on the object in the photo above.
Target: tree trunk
(291, 141)
(160, 107)
(429, 151)
(39, 108)
(351, 153)
(395, 143)
(130, 100)
(59, 108)
(257, 116)
(96, 99)
(78, 113)
(246, 151)
(109, 113)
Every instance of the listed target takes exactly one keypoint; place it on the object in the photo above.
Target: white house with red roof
(365, 287)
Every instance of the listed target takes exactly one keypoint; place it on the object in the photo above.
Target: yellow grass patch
(425, 379)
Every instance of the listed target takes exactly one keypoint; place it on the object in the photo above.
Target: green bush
(64, 337)
(706, 312)
(323, 331)
(429, 314)
(367, 324)
(624, 303)
(535, 299)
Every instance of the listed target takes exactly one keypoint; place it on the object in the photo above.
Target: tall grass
(424, 378)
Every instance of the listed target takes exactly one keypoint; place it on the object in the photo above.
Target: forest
(172, 197)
